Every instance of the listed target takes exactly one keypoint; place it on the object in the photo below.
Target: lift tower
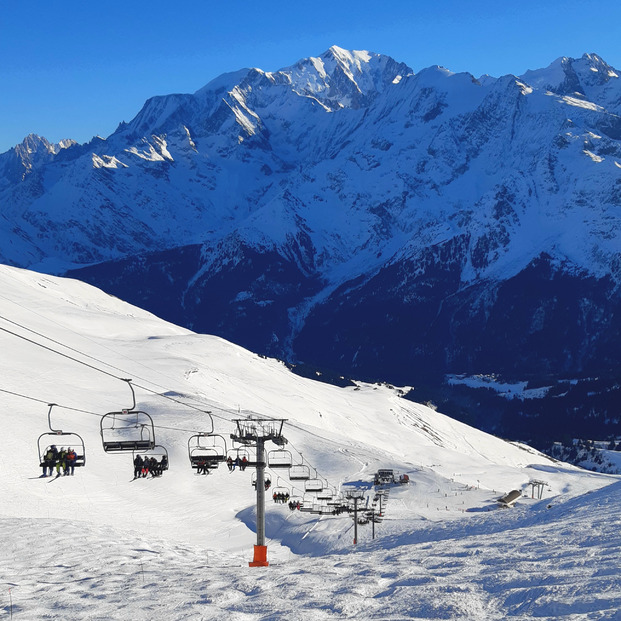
(256, 432)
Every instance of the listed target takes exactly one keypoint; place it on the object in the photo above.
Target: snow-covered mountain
(350, 214)
(99, 545)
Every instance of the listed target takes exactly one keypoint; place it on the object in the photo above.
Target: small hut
(509, 499)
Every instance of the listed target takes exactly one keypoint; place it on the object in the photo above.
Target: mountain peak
(588, 77)
(348, 57)
(33, 143)
(345, 78)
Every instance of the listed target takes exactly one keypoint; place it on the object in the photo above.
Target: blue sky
(75, 69)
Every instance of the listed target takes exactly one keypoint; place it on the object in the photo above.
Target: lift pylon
(256, 432)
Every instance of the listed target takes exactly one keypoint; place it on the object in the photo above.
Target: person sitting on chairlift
(230, 464)
(70, 458)
(49, 460)
(138, 464)
(243, 464)
(154, 467)
(61, 461)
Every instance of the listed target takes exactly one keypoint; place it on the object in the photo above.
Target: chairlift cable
(72, 409)
(47, 402)
(228, 411)
(90, 366)
(103, 362)
(82, 336)
(86, 356)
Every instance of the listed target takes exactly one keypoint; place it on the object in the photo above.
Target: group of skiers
(55, 459)
(296, 505)
(240, 463)
(281, 497)
(203, 465)
(149, 465)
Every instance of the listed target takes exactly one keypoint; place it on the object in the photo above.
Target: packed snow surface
(101, 545)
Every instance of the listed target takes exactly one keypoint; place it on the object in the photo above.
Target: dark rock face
(245, 301)
(413, 323)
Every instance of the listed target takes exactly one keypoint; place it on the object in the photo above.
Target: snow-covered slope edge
(343, 432)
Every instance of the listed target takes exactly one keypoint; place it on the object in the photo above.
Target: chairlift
(249, 452)
(267, 481)
(327, 493)
(70, 439)
(159, 453)
(315, 506)
(206, 451)
(321, 508)
(281, 494)
(279, 458)
(238, 458)
(299, 472)
(127, 430)
(338, 505)
(314, 485)
(295, 502)
(307, 503)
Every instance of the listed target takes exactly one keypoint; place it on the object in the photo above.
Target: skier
(137, 466)
(49, 459)
(61, 461)
(154, 467)
(70, 461)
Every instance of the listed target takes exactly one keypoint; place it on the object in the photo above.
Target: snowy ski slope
(100, 545)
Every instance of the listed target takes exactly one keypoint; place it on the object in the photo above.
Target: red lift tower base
(260, 557)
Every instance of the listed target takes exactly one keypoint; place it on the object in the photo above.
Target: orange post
(260, 557)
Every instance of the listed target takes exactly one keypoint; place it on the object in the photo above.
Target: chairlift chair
(127, 430)
(327, 493)
(295, 501)
(158, 451)
(320, 508)
(206, 451)
(70, 439)
(307, 503)
(313, 485)
(267, 481)
(250, 453)
(279, 459)
(281, 495)
(299, 472)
